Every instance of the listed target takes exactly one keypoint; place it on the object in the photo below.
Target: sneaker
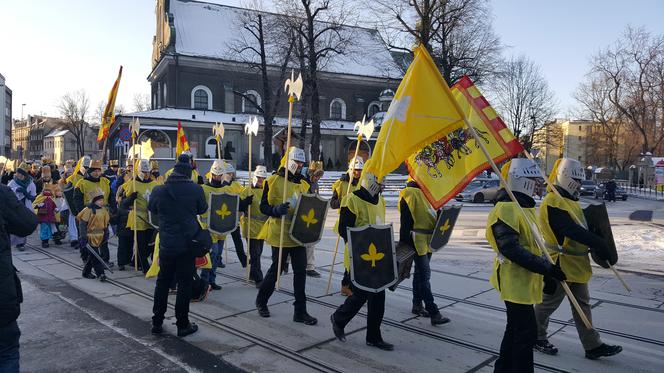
(438, 319)
(215, 286)
(419, 310)
(190, 329)
(305, 318)
(263, 311)
(345, 291)
(545, 347)
(157, 329)
(603, 351)
(313, 273)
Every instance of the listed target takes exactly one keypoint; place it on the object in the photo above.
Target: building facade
(5, 118)
(60, 145)
(197, 80)
(20, 139)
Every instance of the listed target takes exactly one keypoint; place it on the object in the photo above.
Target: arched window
(201, 98)
(161, 143)
(211, 147)
(337, 109)
(247, 105)
(374, 108)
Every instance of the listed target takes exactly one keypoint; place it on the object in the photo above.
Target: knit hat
(23, 169)
(183, 166)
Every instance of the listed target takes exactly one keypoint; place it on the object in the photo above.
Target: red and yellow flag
(422, 111)
(108, 118)
(446, 166)
(182, 144)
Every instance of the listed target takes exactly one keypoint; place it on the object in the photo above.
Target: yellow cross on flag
(421, 112)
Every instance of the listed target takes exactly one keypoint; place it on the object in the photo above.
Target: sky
(49, 48)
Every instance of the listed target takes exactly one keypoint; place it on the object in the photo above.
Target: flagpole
(133, 184)
(350, 183)
(533, 227)
(576, 219)
(249, 214)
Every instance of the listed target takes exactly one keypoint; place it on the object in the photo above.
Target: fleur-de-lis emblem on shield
(446, 226)
(294, 86)
(310, 218)
(251, 127)
(223, 212)
(372, 255)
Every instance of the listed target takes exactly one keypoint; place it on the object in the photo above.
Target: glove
(557, 273)
(550, 285)
(281, 210)
(249, 200)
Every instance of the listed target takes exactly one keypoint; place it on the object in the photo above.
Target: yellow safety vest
(75, 178)
(203, 218)
(515, 283)
(271, 231)
(574, 260)
(257, 218)
(365, 213)
(97, 223)
(424, 218)
(236, 187)
(144, 190)
(87, 186)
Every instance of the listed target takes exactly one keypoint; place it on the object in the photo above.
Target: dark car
(600, 192)
(588, 187)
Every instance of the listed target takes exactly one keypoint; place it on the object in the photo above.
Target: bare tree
(73, 107)
(267, 47)
(320, 25)
(634, 71)
(457, 33)
(141, 102)
(522, 96)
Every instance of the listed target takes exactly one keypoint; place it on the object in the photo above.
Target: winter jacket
(177, 202)
(18, 220)
(45, 208)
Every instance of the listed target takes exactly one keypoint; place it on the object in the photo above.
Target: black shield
(309, 219)
(405, 257)
(373, 260)
(598, 223)
(223, 212)
(444, 226)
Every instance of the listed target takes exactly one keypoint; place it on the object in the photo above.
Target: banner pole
(576, 219)
(350, 183)
(249, 215)
(291, 101)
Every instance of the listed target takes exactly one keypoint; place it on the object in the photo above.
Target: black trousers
(144, 238)
(299, 262)
(375, 311)
(239, 246)
(93, 263)
(125, 247)
(181, 268)
(516, 350)
(104, 253)
(256, 250)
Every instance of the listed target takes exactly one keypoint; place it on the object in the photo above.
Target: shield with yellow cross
(373, 260)
(308, 220)
(223, 213)
(444, 226)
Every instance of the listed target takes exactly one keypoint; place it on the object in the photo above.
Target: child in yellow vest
(93, 223)
(251, 230)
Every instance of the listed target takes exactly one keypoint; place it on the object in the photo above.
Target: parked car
(588, 187)
(480, 190)
(600, 192)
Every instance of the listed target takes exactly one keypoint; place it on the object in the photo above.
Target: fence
(642, 191)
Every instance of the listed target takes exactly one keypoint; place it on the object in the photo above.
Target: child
(93, 232)
(45, 208)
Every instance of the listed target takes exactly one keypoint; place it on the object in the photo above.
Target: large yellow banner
(445, 167)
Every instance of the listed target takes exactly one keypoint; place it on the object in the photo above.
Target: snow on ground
(645, 242)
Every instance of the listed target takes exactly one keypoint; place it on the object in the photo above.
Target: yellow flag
(446, 166)
(108, 117)
(422, 111)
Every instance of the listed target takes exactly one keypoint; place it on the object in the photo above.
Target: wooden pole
(350, 183)
(291, 101)
(133, 184)
(533, 226)
(576, 219)
(251, 187)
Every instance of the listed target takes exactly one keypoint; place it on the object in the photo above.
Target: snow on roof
(206, 116)
(57, 133)
(210, 30)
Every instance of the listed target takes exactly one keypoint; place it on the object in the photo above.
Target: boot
(438, 319)
(190, 329)
(419, 310)
(545, 347)
(44, 244)
(157, 329)
(345, 291)
(305, 318)
(263, 311)
(603, 351)
(337, 330)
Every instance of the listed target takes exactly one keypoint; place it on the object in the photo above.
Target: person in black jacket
(178, 203)
(18, 220)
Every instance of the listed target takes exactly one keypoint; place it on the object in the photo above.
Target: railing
(643, 191)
